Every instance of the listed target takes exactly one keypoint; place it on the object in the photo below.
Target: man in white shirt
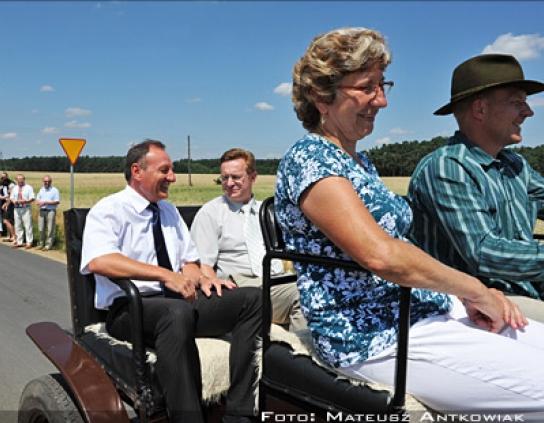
(136, 234)
(22, 197)
(227, 235)
(48, 199)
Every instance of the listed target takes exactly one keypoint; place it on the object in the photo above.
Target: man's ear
(253, 176)
(136, 172)
(478, 108)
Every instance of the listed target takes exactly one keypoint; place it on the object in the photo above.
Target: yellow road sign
(72, 148)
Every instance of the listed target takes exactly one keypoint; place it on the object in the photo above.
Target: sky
(115, 73)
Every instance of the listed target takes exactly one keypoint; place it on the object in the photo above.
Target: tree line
(399, 159)
(115, 164)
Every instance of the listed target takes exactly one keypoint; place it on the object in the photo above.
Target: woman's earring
(322, 121)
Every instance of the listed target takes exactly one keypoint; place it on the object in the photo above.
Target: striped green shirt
(477, 213)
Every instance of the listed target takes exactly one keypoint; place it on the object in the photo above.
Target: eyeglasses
(235, 178)
(372, 90)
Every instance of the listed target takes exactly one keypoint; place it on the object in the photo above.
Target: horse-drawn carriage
(102, 379)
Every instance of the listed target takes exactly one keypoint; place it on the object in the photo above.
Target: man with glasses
(48, 199)
(227, 235)
(475, 203)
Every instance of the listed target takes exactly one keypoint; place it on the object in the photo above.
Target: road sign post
(72, 148)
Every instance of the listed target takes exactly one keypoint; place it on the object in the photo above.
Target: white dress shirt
(27, 194)
(218, 232)
(121, 223)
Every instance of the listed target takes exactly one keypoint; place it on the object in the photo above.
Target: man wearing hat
(475, 203)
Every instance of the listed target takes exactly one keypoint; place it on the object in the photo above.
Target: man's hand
(181, 284)
(207, 283)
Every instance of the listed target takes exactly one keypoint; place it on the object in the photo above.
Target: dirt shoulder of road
(56, 255)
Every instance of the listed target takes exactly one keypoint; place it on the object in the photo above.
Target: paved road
(32, 289)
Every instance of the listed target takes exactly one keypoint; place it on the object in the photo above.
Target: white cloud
(76, 111)
(47, 89)
(399, 131)
(523, 47)
(284, 89)
(193, 100)
(76, 124)
(263, 106)
(8, 135)
(384, 140)
(49, 130)
(536, 101)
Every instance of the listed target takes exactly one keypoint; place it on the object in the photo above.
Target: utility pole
(189, 159)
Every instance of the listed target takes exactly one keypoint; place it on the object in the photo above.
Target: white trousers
(455, 366)
(23, 224)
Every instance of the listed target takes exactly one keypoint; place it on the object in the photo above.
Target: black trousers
(171, 326)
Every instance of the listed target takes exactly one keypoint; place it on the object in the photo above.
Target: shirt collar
(483, 158)
(505, 157)
(234, 206)
(136, 200)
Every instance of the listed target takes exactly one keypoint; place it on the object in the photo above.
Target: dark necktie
(160, 245)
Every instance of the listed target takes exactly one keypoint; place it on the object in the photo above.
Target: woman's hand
(493, 311)
(513, 316)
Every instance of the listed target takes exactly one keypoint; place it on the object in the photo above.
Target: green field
(90, 187)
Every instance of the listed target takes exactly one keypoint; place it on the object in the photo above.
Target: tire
(46, 400)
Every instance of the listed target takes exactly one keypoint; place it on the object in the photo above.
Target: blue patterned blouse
(352, 315)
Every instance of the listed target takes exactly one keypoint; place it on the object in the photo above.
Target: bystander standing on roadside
(22, 195)
(6, 185)
(48, 199)
(2, 201)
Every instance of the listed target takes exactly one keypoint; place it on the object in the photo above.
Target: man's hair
(6, 181)
(240, 153)
(136, 154)
(460, 108)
